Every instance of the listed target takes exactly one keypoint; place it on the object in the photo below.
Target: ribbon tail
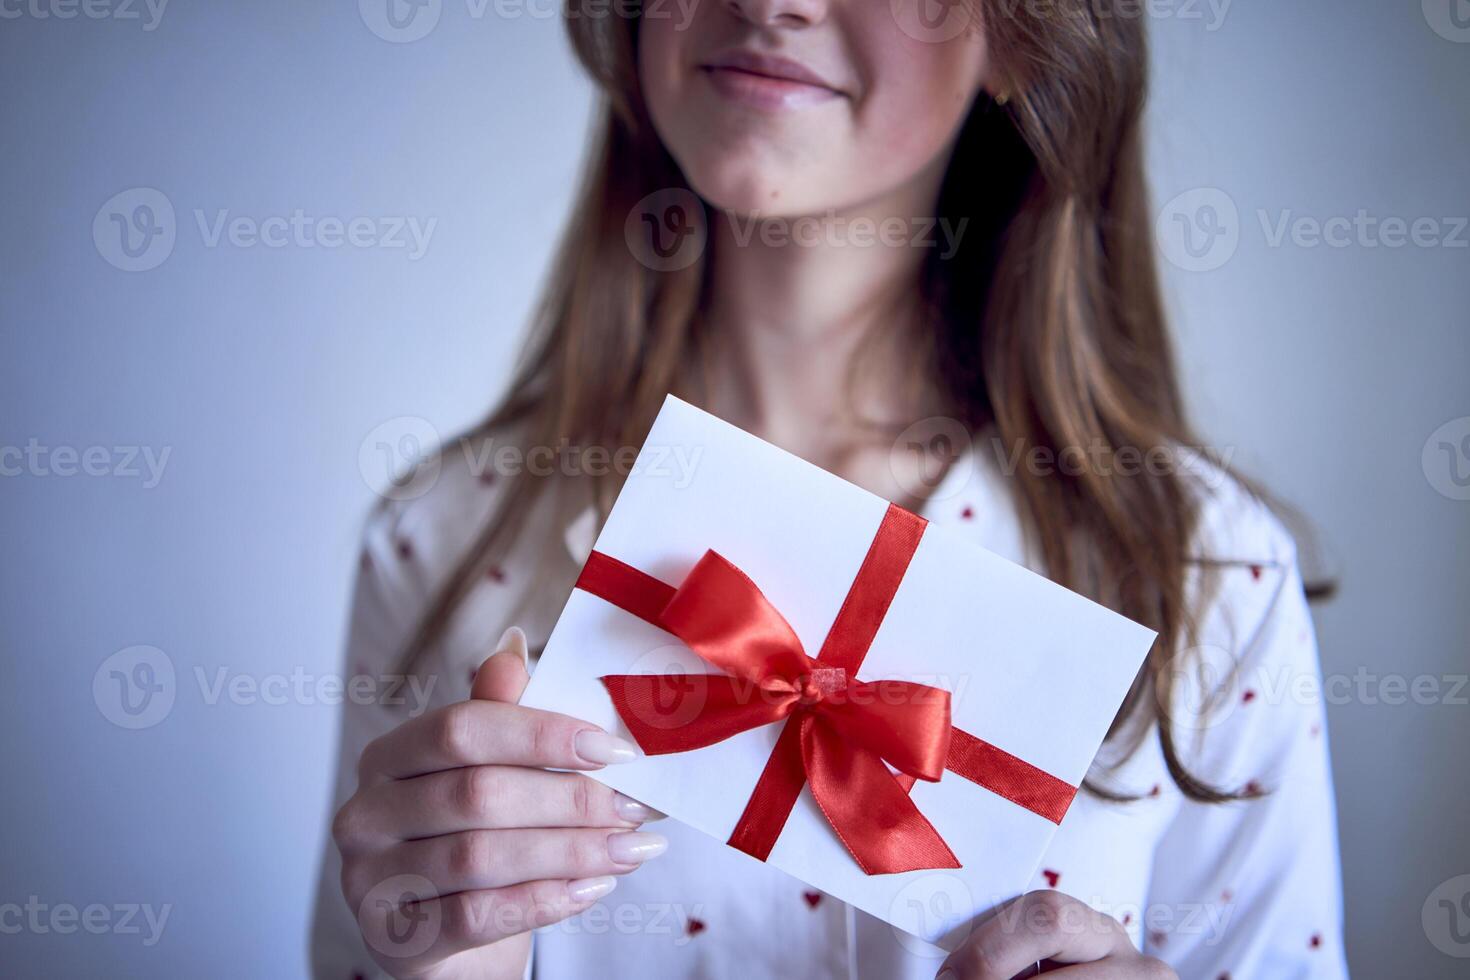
(867, 807)
(679, 712)
(1009, 777)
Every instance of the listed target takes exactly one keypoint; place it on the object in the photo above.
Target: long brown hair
(1050, 331)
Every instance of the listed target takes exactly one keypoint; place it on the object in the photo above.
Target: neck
(792, 304)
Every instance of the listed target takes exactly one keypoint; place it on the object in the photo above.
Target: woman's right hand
(458, 841)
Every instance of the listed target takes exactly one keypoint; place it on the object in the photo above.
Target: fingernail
(634, 812)
(590, 889)
(635, 847)
(513, 640)
(602, 749)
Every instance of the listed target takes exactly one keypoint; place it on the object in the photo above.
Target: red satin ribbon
(838, 730)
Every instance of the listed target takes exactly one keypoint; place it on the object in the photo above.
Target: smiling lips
(767, 82)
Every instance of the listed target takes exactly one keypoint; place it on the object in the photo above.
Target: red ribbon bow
(847, 728)
(838, 731)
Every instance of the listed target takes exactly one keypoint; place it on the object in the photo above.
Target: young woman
(1011, 290)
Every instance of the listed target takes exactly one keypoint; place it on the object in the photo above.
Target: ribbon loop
(720, 614)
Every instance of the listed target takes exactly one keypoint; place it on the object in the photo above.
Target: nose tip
(779, 13)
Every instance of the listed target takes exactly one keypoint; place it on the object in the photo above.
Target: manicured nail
(635, 846)
(602, 749)
(513, 640)
(634, 812)
(590, 889)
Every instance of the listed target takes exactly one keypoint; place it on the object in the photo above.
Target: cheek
(658, 57)
(919, 99)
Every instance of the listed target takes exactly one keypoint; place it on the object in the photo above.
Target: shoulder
(1234, 523)
(420, 525)
(1242, 558)
(421, 532)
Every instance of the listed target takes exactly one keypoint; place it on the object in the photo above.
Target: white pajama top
(1247, 889)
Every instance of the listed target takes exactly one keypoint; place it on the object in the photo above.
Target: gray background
(262, 371)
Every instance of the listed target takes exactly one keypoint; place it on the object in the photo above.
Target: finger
(1114, 968)
(478, 733)
(1037, 926)
(481, 859)
(419, 934)
(503, 675)
(490, 798)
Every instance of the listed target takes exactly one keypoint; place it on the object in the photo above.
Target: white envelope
(1032, 668)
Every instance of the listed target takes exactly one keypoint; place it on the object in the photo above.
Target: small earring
(1002, 98)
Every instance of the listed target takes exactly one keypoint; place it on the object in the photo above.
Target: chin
(744, 188)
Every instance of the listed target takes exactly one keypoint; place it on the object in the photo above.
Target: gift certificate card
(870, 703)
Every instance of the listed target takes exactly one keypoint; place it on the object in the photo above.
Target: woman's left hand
(1065, 936)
